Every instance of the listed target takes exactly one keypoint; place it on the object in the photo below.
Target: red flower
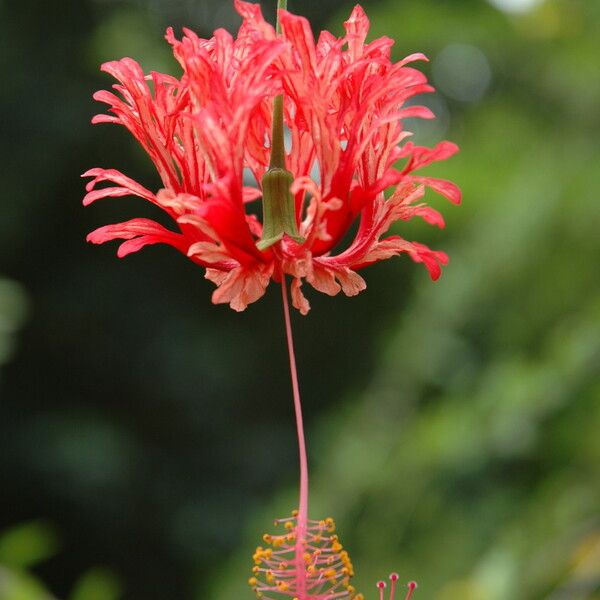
(344, 102)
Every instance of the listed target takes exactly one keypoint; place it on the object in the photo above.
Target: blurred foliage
(24, 546)
(97, 584)
(453, 427)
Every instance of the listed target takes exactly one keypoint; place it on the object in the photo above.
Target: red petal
(432, 259)
(420, 112)
(422, 156)
(443, 187)
(126, 186)
(357, 28)
(139, 233)
(430, 215)
(352, 283)
(299, 301)
(240, 286)
(412, 58)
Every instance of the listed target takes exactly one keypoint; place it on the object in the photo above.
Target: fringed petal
(138, 233)
(442, 186)
(421, 156)
(125, 186)
(419, 112)
(323, 280)
(429, 215)
(352, 283)
(240, 286)
(357, 28)
(392, 246)
(208, 252)
(299, 301)
(432, 259)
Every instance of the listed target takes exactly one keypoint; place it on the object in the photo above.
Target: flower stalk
(302, 518)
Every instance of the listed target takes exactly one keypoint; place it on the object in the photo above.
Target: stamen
(393, 578)
(322, 571)
(412, 586)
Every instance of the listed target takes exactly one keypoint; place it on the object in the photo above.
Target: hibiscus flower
(212, 136)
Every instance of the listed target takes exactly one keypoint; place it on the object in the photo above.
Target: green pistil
(279, 207)
(280, 4)
(277, 137)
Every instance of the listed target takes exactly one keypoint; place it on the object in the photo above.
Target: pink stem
(302, 521)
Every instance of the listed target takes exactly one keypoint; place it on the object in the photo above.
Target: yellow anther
(307, 557)
(256, 569)
(359, 597)
(277, 542)
(290, 537)
(336, 546)
(351, 589)
(283, 565)
(268, 553)
(252, 581)
(330, 524)
(330, 573)
(294, 513)
(318, 539)
(283, 586)
(270, 577)
(267, 538)
(311, 569)
(289, 525)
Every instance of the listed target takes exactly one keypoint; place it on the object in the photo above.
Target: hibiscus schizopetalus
(209, 134)
(216, 137)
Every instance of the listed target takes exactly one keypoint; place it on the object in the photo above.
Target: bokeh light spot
(515, 6)
(462, 72)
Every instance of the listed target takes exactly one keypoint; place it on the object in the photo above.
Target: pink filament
(302, 521)
(393, 579)
(412, 586)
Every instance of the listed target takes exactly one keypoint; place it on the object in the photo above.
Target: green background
(146, 436)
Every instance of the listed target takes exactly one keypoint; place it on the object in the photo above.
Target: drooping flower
(209, 132)
(308, 566)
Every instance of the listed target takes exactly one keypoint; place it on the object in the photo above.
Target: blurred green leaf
(97, 584)
(16, 585)
(28, 544)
